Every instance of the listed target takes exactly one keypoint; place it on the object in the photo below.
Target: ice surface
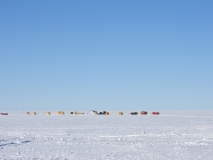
(170, 135)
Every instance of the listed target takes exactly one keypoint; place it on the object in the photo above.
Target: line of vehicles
(91, 112)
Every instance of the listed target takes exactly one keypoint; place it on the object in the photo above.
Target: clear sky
(106, 55)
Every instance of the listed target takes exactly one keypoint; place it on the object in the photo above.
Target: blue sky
(106, 55)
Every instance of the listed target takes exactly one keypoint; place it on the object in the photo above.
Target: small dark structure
(133, 113)
(155, 113)
(81, 113)
(144, 112)
(4, 114)
(71, 112)
(102, 113)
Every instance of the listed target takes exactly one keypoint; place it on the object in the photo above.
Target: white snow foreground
(162, 137)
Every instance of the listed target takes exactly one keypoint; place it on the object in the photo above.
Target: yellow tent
(47, 113)
(75, 113)
(95, 112)
(28, 113)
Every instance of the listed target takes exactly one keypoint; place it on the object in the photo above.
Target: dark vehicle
(102, 113)
(4, 114)
(133, 113)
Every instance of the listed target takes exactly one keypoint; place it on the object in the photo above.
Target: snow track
(159, 137)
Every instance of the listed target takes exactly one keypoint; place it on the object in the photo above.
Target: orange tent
(120, 113)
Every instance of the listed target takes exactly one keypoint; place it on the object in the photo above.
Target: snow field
(166, 136)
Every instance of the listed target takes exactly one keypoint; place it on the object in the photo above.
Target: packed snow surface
(170, 135)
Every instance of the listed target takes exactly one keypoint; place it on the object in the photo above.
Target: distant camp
(90, 112)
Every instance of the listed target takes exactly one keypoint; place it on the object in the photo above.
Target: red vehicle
(155, 113)
(144, 112)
